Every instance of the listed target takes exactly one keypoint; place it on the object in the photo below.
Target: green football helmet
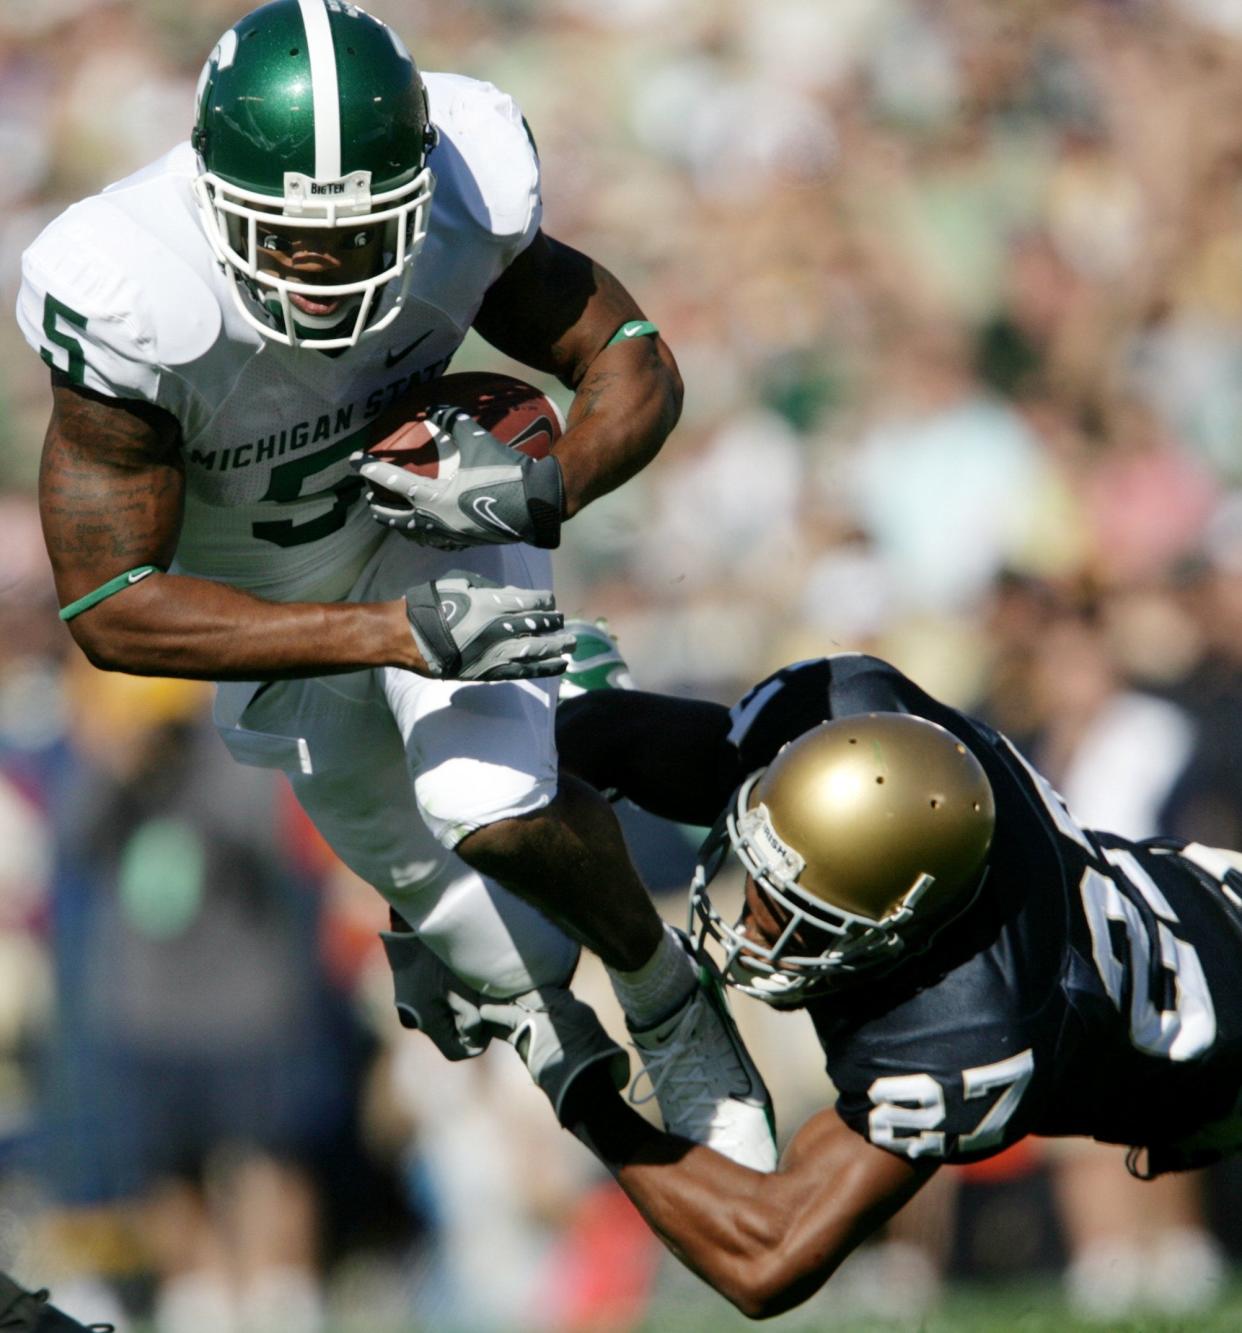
(312, 117)
(864, 836)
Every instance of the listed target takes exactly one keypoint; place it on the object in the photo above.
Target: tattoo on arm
(111, 487)
(593, 387)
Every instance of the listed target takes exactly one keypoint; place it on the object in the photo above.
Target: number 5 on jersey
(54, 312)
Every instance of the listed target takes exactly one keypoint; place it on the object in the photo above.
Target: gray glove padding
(558, 1037)
(432, 999)
(469, 628)
(497, 494)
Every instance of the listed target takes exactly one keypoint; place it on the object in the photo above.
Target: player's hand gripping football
(494, 495)
(469, 628)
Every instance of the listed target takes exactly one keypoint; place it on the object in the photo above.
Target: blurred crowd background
(956, 289)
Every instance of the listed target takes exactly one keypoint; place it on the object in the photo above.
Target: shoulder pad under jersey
(485, 157)
(111, 302)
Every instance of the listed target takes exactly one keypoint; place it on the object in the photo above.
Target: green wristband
(106, 590)
(632, 328)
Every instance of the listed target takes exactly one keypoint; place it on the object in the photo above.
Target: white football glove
(469, 628)
(495, 495)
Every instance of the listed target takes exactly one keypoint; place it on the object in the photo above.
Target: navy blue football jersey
(1092, 988)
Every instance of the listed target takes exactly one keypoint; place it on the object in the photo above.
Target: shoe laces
(688, 1084)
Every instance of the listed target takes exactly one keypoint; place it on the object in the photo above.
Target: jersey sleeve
(777, 709)
(486, 140)
(796, 698)
(83, 314)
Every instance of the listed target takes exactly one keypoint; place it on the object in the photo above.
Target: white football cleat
(703, 1079)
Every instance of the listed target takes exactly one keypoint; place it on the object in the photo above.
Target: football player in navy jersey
(976, 965)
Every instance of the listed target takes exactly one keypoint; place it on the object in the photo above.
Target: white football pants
(395, 769)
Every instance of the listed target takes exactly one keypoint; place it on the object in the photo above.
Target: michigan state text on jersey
(224, 328)
(977, 966)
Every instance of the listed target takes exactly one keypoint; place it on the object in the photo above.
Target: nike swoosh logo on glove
(483, 506)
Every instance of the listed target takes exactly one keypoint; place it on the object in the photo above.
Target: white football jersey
(122, 293)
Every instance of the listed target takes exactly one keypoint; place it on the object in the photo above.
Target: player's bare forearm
(174, 625)
(701, 1205)
(556, 309)
(111, 492)
(765, 1242)
(627, 403)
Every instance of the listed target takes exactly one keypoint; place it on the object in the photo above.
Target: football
(515, 412)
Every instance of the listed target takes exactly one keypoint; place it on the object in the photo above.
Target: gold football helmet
(863, 835)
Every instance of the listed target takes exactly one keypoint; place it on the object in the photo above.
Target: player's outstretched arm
(111, 494)
(556, 309)
(765, 1242)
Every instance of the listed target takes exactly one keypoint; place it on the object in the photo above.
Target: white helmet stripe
(324, 88)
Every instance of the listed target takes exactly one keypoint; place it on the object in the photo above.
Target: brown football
(515, 412)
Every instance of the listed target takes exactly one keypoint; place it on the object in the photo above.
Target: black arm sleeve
(682, 759)
(665, 754)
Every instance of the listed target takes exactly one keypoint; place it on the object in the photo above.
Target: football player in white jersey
(224, 329)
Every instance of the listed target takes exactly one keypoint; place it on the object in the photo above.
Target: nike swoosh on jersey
(137, 575)
(391, 358)
(483, 507)
(629, 330)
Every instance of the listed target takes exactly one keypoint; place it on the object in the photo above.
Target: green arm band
(632, 328)
(106, 590)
